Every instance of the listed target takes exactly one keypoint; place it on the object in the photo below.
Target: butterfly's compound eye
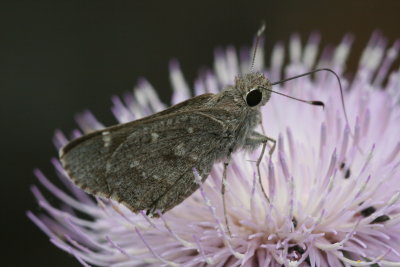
(254, 97)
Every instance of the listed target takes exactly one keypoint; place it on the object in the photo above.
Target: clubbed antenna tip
(261, 30)
(318, 103)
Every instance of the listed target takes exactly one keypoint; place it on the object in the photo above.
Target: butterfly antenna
(311, 102)
(258, 37)
(341, 96)
(340, 87)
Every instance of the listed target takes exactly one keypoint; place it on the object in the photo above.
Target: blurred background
(58, 58)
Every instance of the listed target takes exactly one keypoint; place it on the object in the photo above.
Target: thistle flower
(334, 188)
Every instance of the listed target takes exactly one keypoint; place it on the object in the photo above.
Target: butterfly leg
(255, 140)
(223, 185)
(153, 211)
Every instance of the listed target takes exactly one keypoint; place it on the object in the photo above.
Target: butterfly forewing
(149, 165)
(89, 150)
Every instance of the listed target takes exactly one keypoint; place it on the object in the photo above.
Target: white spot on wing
(154, 137)
(179, 150)
(134, 164)
(106, 138)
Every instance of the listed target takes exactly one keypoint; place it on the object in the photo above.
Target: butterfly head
(254, 88)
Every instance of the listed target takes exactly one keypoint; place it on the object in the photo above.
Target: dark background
(58, 58)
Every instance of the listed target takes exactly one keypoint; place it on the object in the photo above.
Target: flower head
(334, 188)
